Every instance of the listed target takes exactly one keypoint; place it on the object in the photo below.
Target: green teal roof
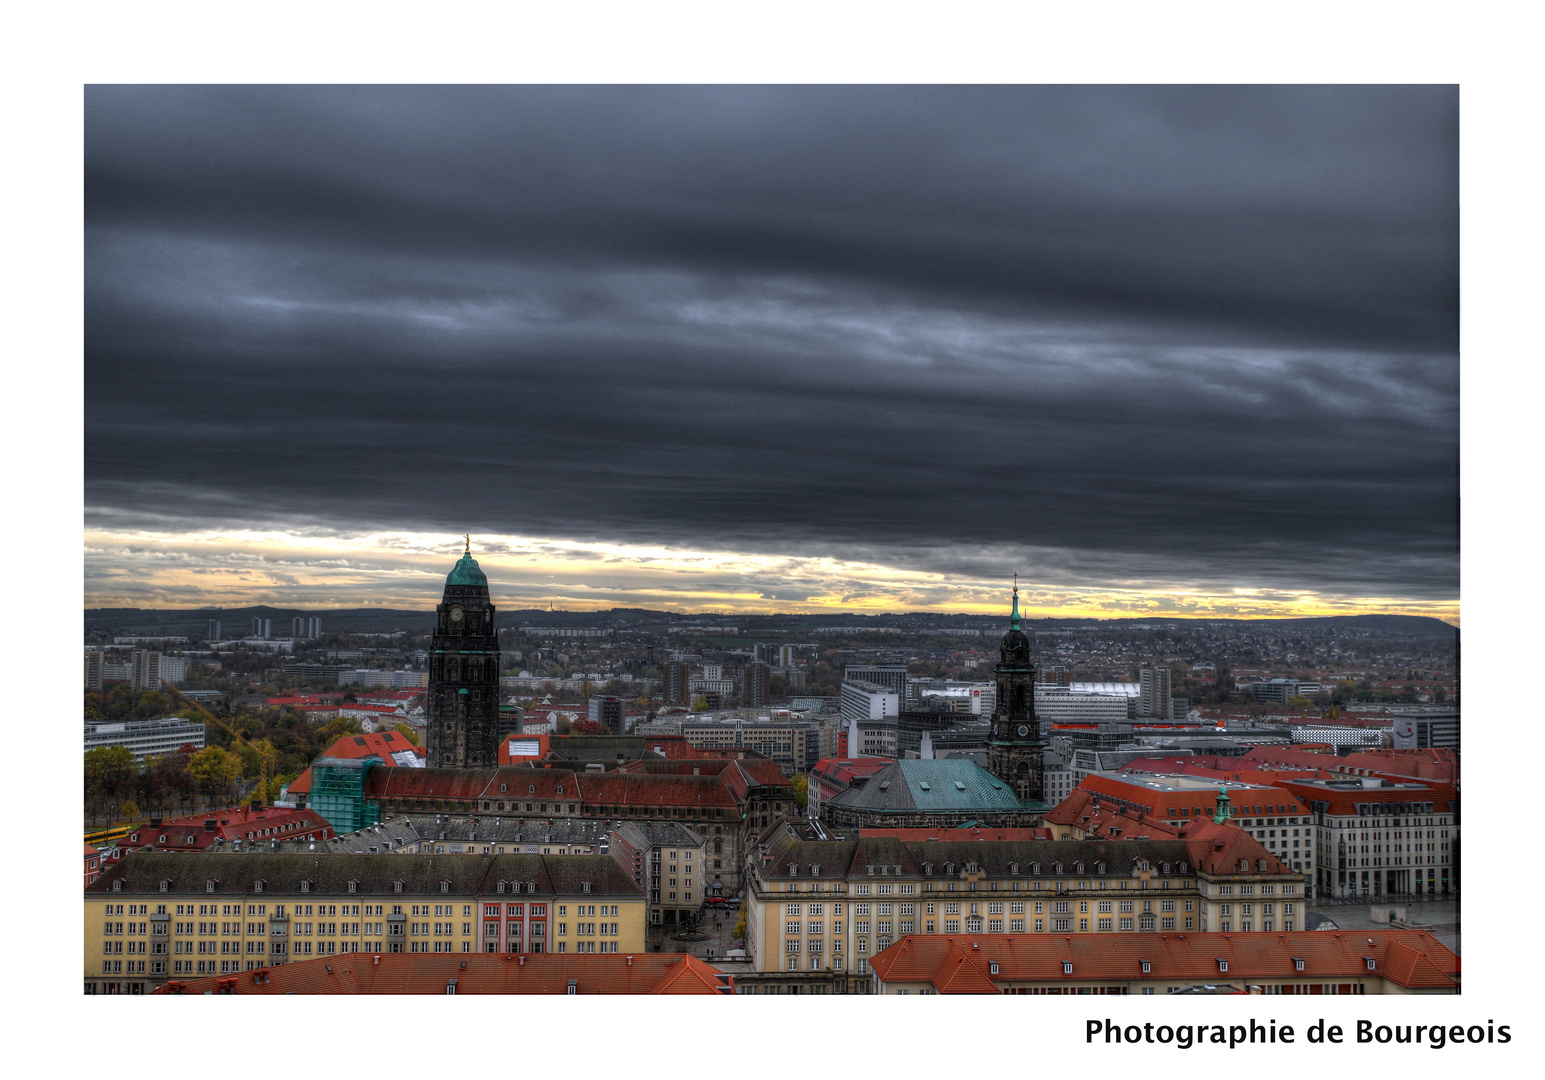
(466, 572)
(941, 784)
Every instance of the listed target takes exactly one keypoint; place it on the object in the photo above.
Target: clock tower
(464, 673)
(1015, 752)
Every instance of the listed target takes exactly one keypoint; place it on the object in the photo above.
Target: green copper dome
(466, 572)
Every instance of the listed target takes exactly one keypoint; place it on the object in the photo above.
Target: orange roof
(1409, 958)
(473, 973)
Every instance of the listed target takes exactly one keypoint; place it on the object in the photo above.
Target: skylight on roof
(960, 784)
(922, 784)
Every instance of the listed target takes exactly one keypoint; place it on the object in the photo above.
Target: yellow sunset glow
(406, 570)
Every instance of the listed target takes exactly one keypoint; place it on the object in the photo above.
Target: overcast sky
(1155, 349)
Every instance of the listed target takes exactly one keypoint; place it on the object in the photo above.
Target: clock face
(995, 729)
(456, 614)
(1023, 731)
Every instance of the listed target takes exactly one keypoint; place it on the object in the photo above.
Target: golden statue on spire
(468, 538)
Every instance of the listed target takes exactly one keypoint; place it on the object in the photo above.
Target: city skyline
(1168, 351)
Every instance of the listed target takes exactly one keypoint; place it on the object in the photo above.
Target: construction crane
(262, 755)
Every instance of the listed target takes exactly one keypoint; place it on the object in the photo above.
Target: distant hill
(385, 620)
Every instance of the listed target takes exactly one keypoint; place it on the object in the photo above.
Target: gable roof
(472, 973)
(1409, 958)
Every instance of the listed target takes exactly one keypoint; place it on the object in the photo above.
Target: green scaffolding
(338, 792)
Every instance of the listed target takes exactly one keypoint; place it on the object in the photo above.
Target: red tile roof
(381, 744)
(473, 973)
(645, 789)
(238, 823)
(962, 964)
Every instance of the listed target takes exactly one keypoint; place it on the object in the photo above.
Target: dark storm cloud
(1153, 334)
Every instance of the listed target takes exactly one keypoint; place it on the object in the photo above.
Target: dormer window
(1298, 965)
(560, 789)
(501, 887)
(118, 887)
(305, 886)
(1147, 967)
(209, 886)
(1067, 967)
(1369, 961)
(992, 967)
(504, 787)
(530, 789)
(164, 884)
(257, 886)
(162, 839)
(354, 886)
(396, 886)
(1222, 965)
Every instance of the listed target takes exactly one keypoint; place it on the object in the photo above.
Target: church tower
(1015, 753)
(464, 673)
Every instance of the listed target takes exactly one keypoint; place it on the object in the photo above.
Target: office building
(174, 669)
(891, 676)
(147, 738)
(786, 656)
(262, 628)
(826, 907)
(93, 669)
(212, 631)
(608, 712)
(271, 903)
(1426, 729)
(863, 700)
(1061, 705)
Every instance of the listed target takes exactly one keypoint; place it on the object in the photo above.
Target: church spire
(1014, 616)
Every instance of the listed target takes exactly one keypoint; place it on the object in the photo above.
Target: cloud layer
(1130, 339)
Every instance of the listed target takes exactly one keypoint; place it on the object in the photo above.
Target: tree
(407, 733)
(215, 769)
(129, 811)
(699, 704)
(801, 786)
(109, 771)
(739, 931)
(587, 727)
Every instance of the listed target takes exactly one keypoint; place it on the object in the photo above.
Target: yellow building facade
(157, 916)
(827, 907)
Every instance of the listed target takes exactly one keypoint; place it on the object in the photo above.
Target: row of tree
(189, 780)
